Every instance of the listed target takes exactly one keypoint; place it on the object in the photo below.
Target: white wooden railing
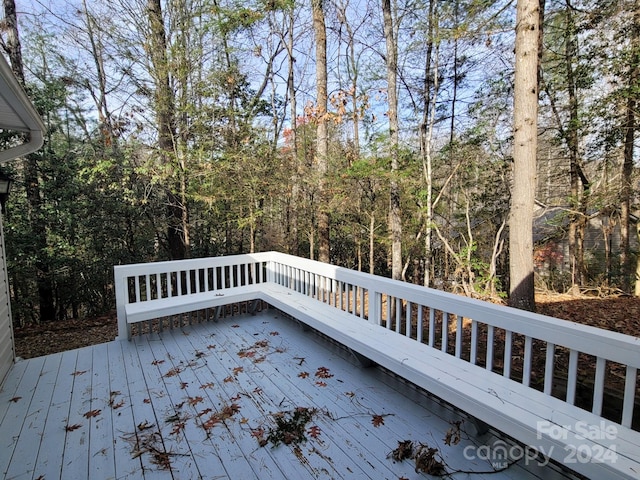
(592, 368)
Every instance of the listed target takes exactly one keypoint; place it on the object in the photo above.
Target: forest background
(189, 128)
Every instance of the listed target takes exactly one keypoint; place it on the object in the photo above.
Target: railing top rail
(188, 264)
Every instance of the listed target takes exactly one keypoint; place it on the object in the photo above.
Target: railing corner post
(120, 287)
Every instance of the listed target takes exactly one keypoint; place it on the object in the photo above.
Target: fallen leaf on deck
(173, 372)
(92, 413)
(78, 372)
(71, 428)
(377, 420)
(404, 451)
(144, 425)
(15, 399)
(323, 372)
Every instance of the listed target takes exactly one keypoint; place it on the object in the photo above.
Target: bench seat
(529, 416)
(168, 306)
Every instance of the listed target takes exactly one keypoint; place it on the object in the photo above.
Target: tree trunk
(426, 136)
(627, 166)
(293, 244)
(395, 220)
(525, 141)
(165, 119)
(578, 181)
(322, 148)
(35, 211)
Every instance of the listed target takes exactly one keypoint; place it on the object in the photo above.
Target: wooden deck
(210, 401)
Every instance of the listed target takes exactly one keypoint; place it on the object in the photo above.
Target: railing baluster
(549, 367)
(526, 361)
(629, 396)
(136, 287)
(361, 302)
(458, 351)
(389, 302)
(398, 314)
(598, 387)
(407, 330)
(147, 287)
(473, 348)
(419, 326)
(489, 358)
(572, 377)
(432, 326)
(445, 331)
(508, 343)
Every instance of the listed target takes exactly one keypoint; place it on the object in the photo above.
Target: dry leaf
(92, 413)
(323, 372)
(71, 428)
(377, 420)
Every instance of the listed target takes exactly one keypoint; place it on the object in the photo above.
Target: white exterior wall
(7, 351)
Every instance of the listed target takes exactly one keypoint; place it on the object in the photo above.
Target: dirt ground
(620, 314)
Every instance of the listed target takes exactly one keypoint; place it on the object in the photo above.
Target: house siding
(7, 349)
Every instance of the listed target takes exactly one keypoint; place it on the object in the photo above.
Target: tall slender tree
(629, 129)
(395, 218)
(166, 126)
(322, 140)
(525, 141)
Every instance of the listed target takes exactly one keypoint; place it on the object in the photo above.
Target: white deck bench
(165, 307)
(542, 422)
(582, 441)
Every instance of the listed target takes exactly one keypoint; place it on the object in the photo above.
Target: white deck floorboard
(191, 403)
